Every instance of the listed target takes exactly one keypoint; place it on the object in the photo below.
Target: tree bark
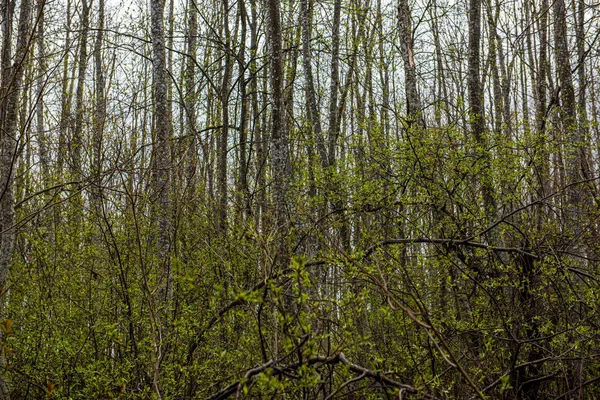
(77, 139)
(575, 151)
(311, 96)
(9, 137)
(540, 90)
(334, 87)
(280, 157)
(191, 150)
(582, 126)
(224, 137)
(65, 100)
(413, 99)
(41, 82)
(257, 127)
(163, 131)
(243, 192)
(477, 122)
(100, 110)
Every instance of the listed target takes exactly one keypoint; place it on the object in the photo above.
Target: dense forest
(299, 199)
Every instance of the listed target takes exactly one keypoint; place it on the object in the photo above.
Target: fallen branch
(339, 358)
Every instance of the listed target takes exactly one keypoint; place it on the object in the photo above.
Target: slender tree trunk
(100, 110)
(242, 190)
(163, 131)
(8, 8)
(314, 115)
(189, 78)
(442, 101)
(413, 100)
(8, 140)
(384, 75)
(337, 195)
(169, 42)
(163, 128)
(41, 82)
(257, 127)
(224, 137)
(280, 157)
(505, 89)
(477, 121)
(315, 131)
(574, 152)
(77, 139)
(65, 100)
(9, 106)
(492, 18)
(334, 87)
(541, 83)
(582, 126)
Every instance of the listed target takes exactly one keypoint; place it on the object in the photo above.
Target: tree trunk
(224, 137)
(163, 131)
(77, 139)
(242, 179)
(257, 127)
(41, 82)
(280, 157)
(100, 110)
(477, 121)
(582, 126)
(575, 151)
(190, 94)
(313, 107)
(65, 100)
(442, 103)
(413, 100)
(9, 107)
(543, 168)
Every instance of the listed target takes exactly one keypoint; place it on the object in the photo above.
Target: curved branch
(450, 242)
(339, 358)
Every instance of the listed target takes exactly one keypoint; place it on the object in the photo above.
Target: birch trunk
(280, 157)
(8, 153)
(161, 178)
(413, 100)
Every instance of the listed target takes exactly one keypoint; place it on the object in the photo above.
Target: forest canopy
(299, 199)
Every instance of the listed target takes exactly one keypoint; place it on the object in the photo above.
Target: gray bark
(41, 82)
(100, 109)
(77, 139)
(311, 96)
(413, 100)
(442, 103)
(8, 152)
(477, 122)
(280, 157)
(543, 168)
(6, 21)
(66, 96)
(334, 88)
(223, 138)
(583, 126)
(257, 131)
(190, 98)
(575, 152)
(163, 131)
(243, 191)
(8, 144)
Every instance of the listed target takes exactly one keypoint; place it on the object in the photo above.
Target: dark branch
(339, 358)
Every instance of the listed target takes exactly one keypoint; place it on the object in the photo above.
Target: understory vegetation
(344, 199)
